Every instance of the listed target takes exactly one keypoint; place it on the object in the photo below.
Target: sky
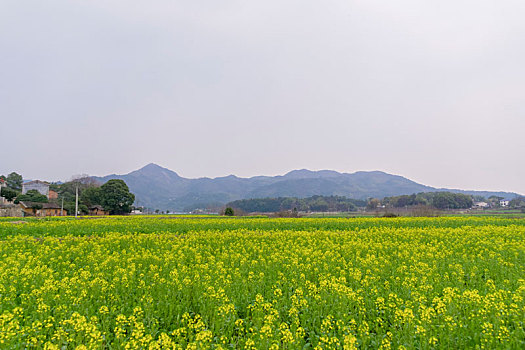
(430, 90)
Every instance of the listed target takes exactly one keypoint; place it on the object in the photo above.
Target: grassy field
(258, 283)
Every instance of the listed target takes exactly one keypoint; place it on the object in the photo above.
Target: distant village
(82, 196)
(39, 209)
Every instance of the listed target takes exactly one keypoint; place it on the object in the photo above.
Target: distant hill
(160, 188)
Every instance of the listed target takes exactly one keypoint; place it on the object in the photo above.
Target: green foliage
(32, 196)
(8, 193)
(518, 202)
(116, 198)
(405, 200)
(229, 211)
(314, 203)
(439, 200)
(448, 200)
(55, 187)
(373, 203)
(91, 196)
(477, 198)
(14, 181)
(70, 208)
(88, 194)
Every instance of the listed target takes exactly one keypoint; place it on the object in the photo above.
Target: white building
(40, 186)
(504, 203)
(481, 205)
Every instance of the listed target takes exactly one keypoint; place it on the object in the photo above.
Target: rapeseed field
(258, 283)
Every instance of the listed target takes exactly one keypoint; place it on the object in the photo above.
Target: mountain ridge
(157, 187)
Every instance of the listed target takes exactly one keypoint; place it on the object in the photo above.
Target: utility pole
(62, 208)
(76, 201)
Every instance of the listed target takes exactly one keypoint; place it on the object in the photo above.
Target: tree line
(314, 203)
(438, 200)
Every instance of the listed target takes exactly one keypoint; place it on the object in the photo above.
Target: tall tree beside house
(14, 181)
(116, 198)
(8, 193)
(91, 196)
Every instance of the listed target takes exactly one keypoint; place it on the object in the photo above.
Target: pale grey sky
(431, 90)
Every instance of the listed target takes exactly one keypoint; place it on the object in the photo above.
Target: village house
(97, 210)
(480, 205)
(11, 210)
(504, 203)
(41, 186)
(52, 194)
(42, 209)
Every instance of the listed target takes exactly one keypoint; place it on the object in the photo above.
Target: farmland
(213, 282)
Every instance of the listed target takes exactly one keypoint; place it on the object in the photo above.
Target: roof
(50, 205)
(98, 207)
(36, 182)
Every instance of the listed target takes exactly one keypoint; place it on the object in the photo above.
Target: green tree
(229, 211)
(14, 181)
(87, 196)
(116, 198)
(518, 202)
(8, 193)
(91, 196)
(32, 196)
(373, 203)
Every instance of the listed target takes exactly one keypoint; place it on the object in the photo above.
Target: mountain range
(156, 187)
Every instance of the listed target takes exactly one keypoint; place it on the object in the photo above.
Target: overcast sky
(431, 90)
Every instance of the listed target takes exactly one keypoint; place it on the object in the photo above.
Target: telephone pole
(76, 201)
